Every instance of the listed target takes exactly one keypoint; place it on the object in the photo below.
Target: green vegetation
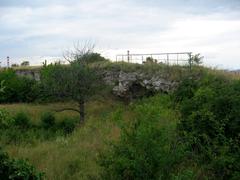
(147, 148)
(76, 82)
(209, 123)
(71, 156)
(192, 133)
(17, 89)
(25, 63)
(20, 128)
(16, 169)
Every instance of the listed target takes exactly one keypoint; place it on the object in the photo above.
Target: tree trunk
(81, 111)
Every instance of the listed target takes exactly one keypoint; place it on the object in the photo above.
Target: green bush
(6, 120)
(145, 150)
(48, 120)
(67, 125)
(22, 120)
(17, 169)
(210, 123)
(17, 89)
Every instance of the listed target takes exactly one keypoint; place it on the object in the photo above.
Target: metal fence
(180, 58)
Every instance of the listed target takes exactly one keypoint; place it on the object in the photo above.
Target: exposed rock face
(133, 83)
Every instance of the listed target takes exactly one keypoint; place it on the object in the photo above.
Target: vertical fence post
(190, 61)
(167, 59)
(128, 56)
(177, 59)
(7, 61)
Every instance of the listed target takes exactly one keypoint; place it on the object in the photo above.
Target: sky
(45, 29)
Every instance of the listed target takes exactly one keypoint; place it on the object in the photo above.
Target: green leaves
(16, 89)
(210, 122)
(145, 149)
(17, 169)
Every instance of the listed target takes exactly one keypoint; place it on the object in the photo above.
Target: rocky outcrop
(131, 84)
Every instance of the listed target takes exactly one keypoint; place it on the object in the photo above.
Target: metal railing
(179, 58)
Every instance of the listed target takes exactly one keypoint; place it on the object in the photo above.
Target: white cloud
(117, 26)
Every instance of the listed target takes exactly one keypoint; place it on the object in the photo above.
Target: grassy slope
(74, 157)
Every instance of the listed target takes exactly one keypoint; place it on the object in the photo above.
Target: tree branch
(67, 109)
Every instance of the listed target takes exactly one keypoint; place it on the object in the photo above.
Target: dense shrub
(67, 125)
(145, 150)
(48, 120)
(17, 89)
(22, 120)
(95, 57)
(210, 124)
(17, 169)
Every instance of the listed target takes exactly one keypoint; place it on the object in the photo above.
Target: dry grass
(74, 156)
(36, 110)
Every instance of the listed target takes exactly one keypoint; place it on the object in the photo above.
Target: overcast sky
(46, 28)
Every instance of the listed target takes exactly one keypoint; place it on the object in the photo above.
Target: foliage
(196, 59)
(17, 169)
(150, 60)
(145, 149)
(5, 119)
(48, 120)
(77, 81)
(19, 128)
(94, 57)
(17, 89)
(25, 63)
(60, 155)
(210, 126)
(67, 125)
(22, 120)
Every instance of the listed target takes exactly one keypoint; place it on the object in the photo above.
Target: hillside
(189, 131)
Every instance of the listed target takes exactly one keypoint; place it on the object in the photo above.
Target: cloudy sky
(36, 29)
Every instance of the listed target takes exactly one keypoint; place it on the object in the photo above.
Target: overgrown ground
(75, 156)
(190, 134)
(72, 156)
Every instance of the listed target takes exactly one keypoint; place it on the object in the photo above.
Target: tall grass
(73, 156)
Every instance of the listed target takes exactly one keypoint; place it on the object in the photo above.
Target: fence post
(190, 61)
(8, 62)
(177, 59)
(128, 56)
(168, 59)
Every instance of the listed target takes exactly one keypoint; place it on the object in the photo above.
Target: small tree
(150, 60)
(25, 63)
(77, 81)
(196, 59)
